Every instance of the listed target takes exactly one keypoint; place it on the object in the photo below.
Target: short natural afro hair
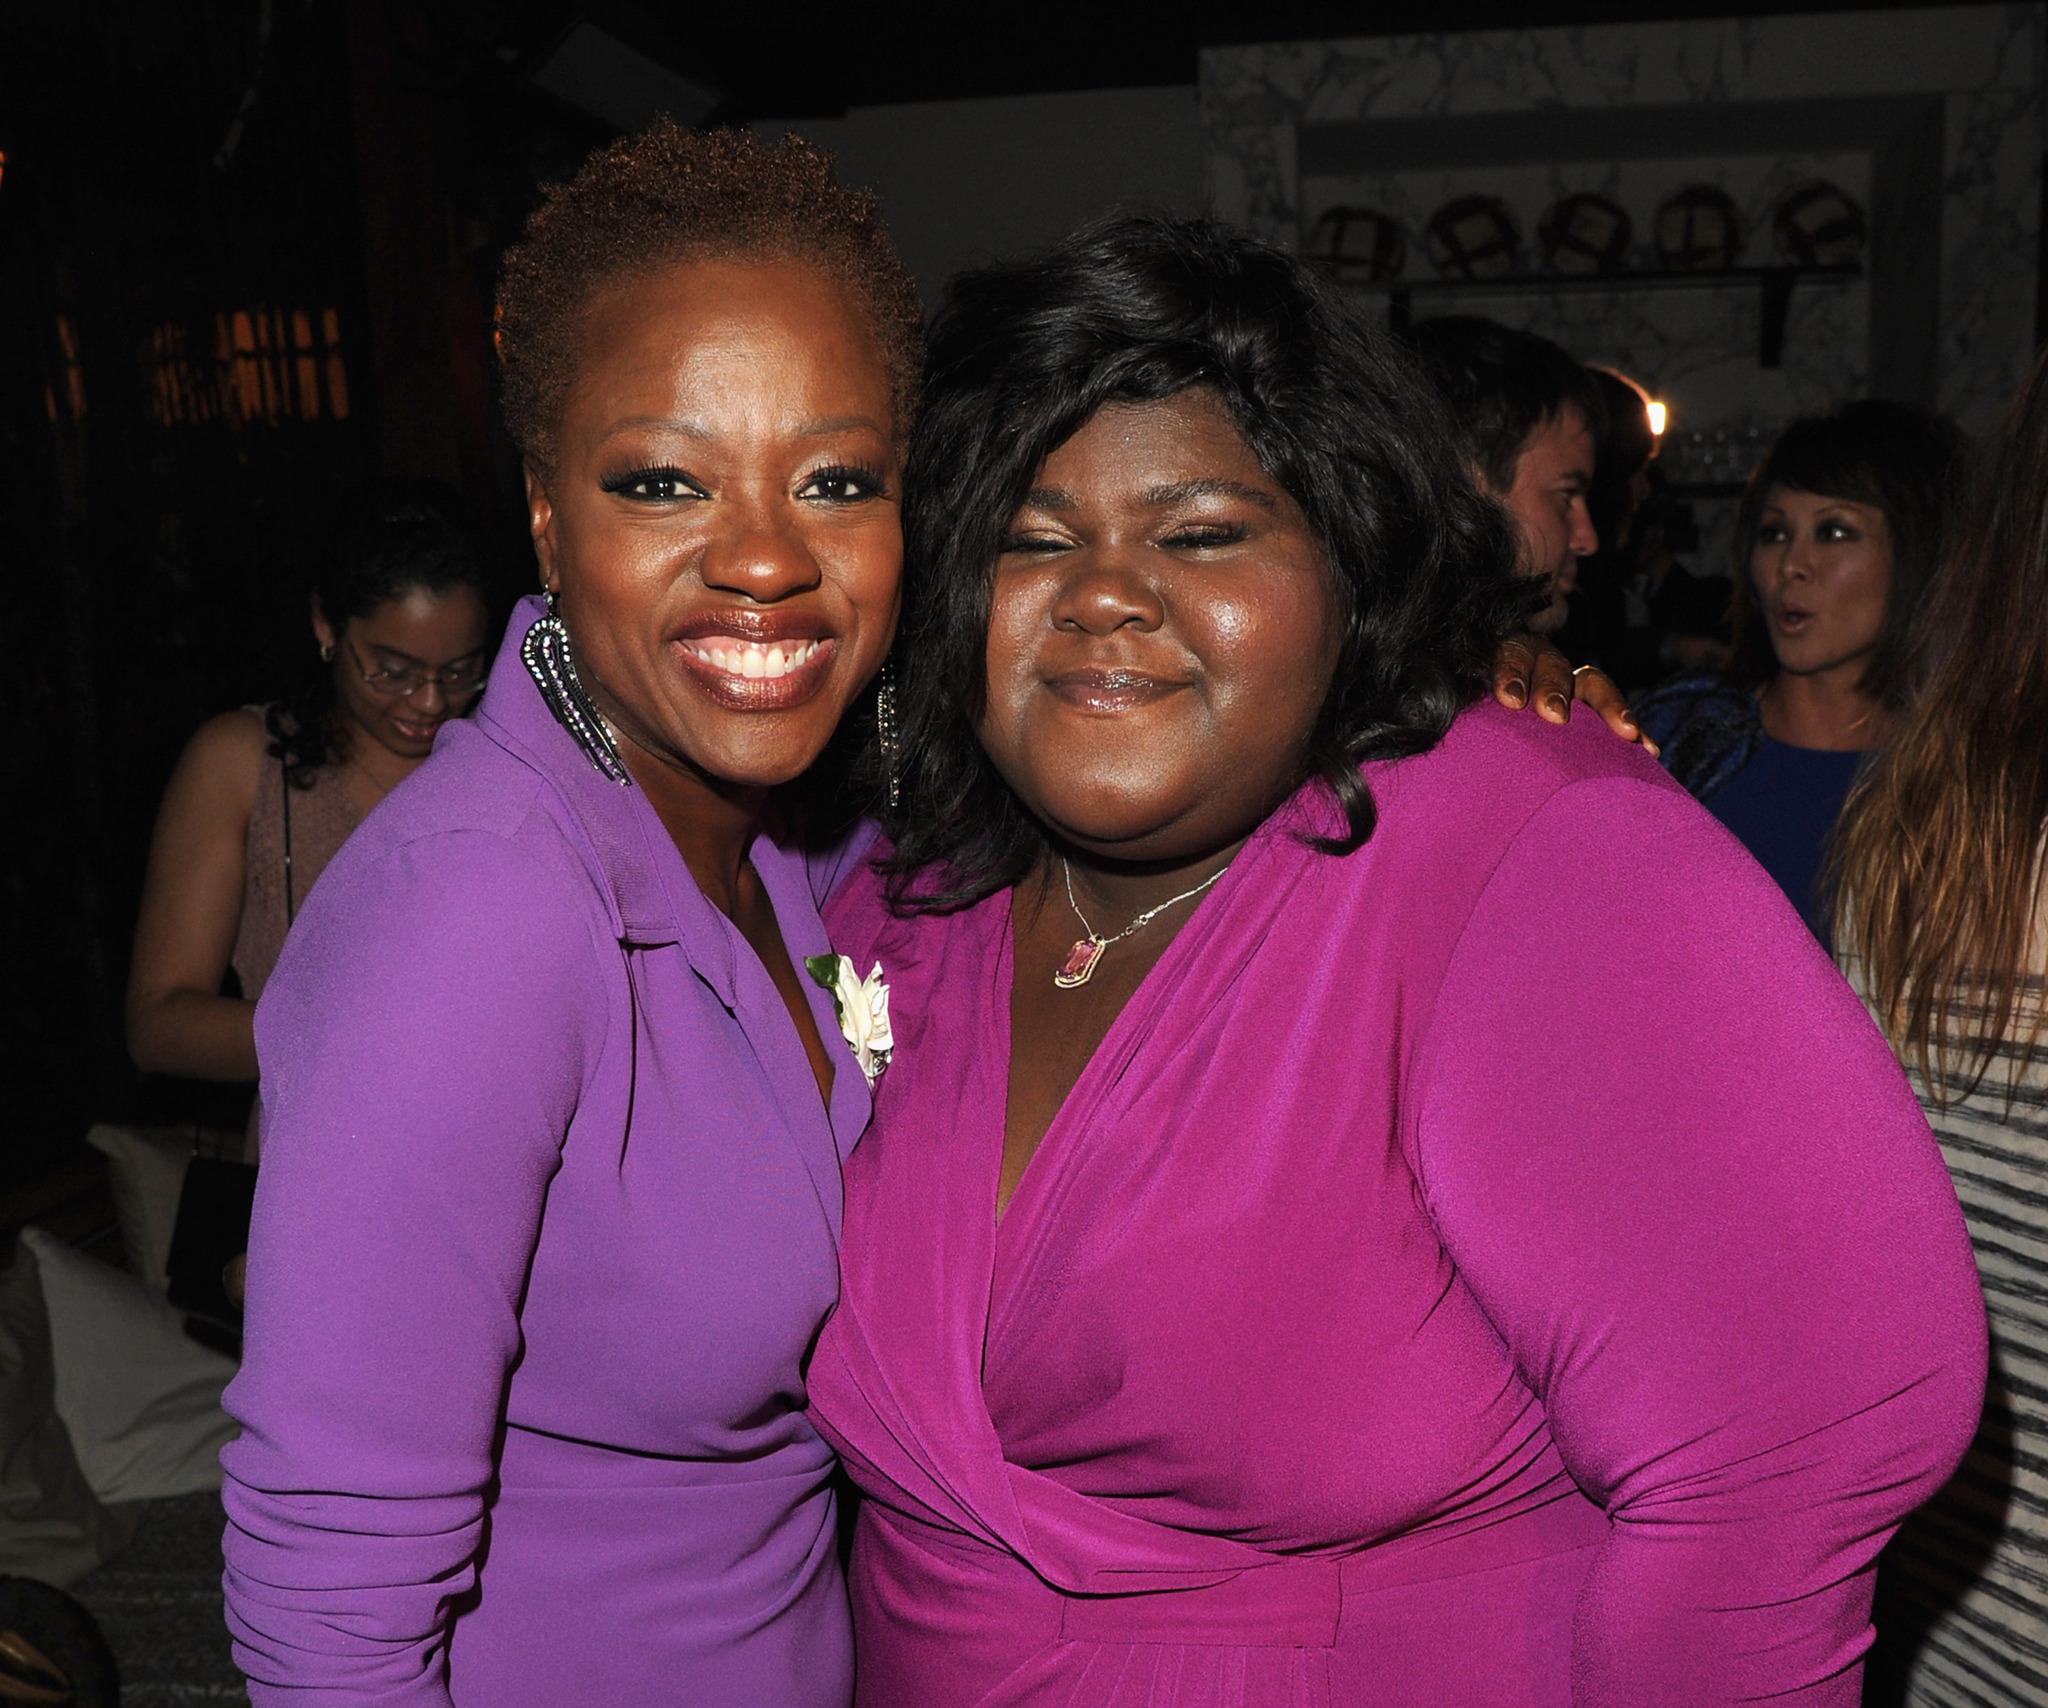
(668, 195)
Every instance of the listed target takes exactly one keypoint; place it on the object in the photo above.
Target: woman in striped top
(1944, 922)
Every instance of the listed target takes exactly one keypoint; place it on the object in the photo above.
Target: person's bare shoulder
(220, 763)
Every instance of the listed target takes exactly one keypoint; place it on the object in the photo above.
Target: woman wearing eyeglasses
(262, 797)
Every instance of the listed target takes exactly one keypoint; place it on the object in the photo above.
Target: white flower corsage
(862, 1006)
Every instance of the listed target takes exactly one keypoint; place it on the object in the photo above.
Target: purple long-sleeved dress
(547, 1221)
(1500, 1267)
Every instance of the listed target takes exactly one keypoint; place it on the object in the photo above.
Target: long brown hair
(1937, 855)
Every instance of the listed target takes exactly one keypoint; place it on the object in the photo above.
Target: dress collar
(653, 900)
(648, 889)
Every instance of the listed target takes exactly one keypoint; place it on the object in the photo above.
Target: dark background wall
(241, 265)
(151, 490)
(246, 252)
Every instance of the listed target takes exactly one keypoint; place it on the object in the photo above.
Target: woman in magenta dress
(1249, 1296)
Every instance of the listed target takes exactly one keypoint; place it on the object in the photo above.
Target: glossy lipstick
(756, 661)
(1111, 690)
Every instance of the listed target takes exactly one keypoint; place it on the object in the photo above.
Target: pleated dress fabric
(546, 1225)
(1499, 1268)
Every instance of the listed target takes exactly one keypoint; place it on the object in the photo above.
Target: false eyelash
(616, 483)
(871, 477)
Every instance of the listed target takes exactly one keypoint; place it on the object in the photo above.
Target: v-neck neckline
(1113, 1049)
(1013, 1237)
(1006, 983)
(720, 952)
(773, 873)
(804, 983)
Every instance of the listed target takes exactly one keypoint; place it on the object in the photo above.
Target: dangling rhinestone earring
(545, 653)
(886, 729)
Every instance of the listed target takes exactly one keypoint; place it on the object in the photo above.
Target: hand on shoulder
(1529, 671)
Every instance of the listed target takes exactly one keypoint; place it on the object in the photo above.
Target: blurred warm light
(1652, 409)
(337, 375)
(267, 366)
(72, 396)
(3, 165)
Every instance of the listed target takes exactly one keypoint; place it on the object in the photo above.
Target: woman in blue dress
(1839, 534)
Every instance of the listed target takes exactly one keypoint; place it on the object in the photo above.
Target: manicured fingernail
(1519, 692)
(1560, 705)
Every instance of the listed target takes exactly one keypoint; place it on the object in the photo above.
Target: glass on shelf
(1721, 454)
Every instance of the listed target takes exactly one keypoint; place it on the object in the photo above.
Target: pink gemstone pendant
(1079, 966)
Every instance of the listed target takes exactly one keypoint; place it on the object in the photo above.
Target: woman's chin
(752, 750)
(1135, 837)
(716, 729)
(1803, 657)
(404, 743)
(1145, 805)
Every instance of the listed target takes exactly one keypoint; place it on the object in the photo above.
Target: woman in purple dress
(1248, 1296)
(550, 1198)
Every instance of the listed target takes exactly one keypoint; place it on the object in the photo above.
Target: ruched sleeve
(422, 1044)
(1683, 1176)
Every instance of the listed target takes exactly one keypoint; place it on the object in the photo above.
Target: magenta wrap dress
(1503, 1266)
(546, 1225)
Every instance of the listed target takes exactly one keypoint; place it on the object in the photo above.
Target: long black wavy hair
(390, 537)
(1136, 308)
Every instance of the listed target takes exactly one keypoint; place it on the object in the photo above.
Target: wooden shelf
(1774, 287)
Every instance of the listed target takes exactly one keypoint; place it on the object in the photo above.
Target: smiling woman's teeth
(755, 662)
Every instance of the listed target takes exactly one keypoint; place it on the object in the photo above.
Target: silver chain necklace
(1079, 966)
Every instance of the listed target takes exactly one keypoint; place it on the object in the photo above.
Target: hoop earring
(545, 653)
(887, 731)
(327, 653)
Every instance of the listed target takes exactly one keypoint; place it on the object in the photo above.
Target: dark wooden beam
(429, 355)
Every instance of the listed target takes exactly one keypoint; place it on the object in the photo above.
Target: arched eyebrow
(661, 423)
(1158, 497)
(1180, 491)
(426, 663)
(839, 424)
(689, 429)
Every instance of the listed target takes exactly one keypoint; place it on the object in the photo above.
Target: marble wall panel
(1985, 62)
(1991, 236)
(1695, 347)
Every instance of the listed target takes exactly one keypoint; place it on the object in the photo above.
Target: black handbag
(51, 1651)
(211, 1231)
